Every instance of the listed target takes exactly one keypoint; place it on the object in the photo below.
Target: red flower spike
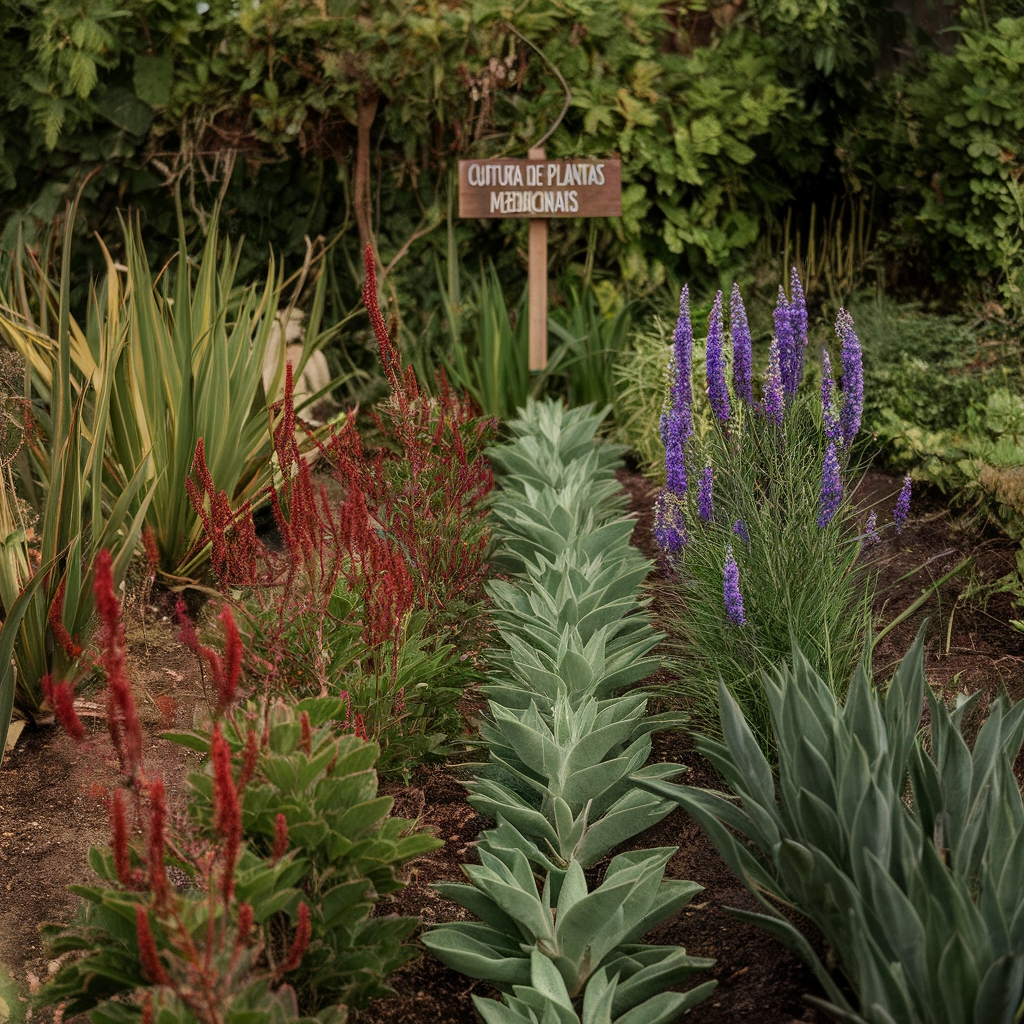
(152, 967)
(122, 717)
(227, 815)
(147, 1008)
(119, 841)
(249, 759)
(57, 627)
(62, 699)
(280, 837)
(360, 727)
(245, 919)
(232, 660)
(307, 734)
(151, 548)
(158, 883)
(299, 943)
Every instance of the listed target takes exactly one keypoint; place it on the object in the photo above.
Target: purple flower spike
(731, 590)
(829, 413)
(682, 340)
(831, 487)
(798, 323)
(740, 529)
(772, 390)
(675, 456)
(669, 526)
(871, 534)
(784, 336)
(899, 513)
(705, 501)
(741, 347)
(853, 377)
(718, 390)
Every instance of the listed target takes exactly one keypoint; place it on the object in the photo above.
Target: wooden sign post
(538, 189)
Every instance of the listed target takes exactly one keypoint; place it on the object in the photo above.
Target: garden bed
(52, 794)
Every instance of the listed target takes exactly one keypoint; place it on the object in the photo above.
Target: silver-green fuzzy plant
(919, 892)
(564, 749)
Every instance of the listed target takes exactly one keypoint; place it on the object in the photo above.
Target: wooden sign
(538, 189)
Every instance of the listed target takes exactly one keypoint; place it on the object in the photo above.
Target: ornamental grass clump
(756, 522)
(902, 846)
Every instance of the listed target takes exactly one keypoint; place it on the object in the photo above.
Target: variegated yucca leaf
(918, 891)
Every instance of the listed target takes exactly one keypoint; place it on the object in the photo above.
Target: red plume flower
(122, 718)
(152, 967)
(119, 841)
(62, 699)
(232, 660)
(226, 812)
(57, 627)
(299, 943)
(280, 837)
(307, 734)
(157, 817)
(249, 759)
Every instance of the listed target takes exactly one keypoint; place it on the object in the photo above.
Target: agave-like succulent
(918, 889)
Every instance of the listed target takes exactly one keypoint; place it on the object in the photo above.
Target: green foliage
(104, 929)
(492, 364)
(183, 363)
(593, 329)
(917, 892)
(325, 786)
(85, 505)
(158, 94)
(944, 140)
(561, 749)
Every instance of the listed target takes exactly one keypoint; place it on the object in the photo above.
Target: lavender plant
(756, 524)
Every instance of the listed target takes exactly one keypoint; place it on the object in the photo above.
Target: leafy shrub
(561, 747)
(150, 951)
(318, 790)
(381, 586)
(917, 891)
(289, 848)
(755, 520)
(943, 139)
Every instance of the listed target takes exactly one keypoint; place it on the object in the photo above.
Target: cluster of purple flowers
(831, 487)
(718, 389)
(669, 524)
(731, 590)
(677, 421)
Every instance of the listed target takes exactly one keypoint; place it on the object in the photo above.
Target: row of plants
(256, 904)
(563, 742)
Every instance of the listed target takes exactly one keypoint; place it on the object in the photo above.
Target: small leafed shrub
(314, 790)
(905, 848)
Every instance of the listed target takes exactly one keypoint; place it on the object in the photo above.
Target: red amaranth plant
(122, 717)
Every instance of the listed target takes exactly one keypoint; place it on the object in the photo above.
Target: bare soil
(52, 793)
